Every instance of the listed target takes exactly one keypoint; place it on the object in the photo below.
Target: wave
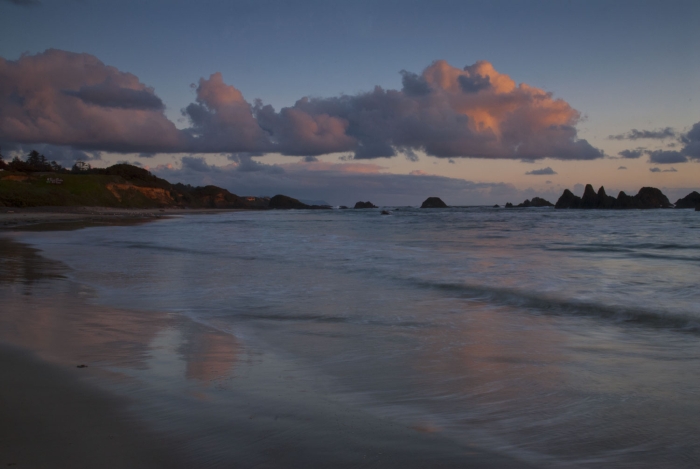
(323, 318)
(549, 305)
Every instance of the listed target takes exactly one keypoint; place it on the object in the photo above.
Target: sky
(474, 102)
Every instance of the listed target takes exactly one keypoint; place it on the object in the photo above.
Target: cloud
(630, 154)
(666, 157)
(413, 84)
(222, 121)
(672, 170)
(197, 164)
(622, 167)
(245, 163)
(635, 134)
(64, 98)
(540, 172)
(109, 94)
(655, 170)
(445, 112)
(691, 141)
(310, 159)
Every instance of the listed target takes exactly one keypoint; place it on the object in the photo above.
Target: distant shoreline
(62, 218)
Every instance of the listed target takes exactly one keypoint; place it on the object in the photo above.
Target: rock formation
(647, 197)
(433, 202)
(535, 202)
(691, 200)
(285, 202)
(367, 204)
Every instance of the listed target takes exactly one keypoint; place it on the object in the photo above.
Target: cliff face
(120, 185)
(647, 197)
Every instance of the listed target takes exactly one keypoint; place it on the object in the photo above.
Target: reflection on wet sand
(57, 320)
(210, 355)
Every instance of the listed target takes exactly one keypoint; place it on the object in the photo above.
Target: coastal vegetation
(36, 182)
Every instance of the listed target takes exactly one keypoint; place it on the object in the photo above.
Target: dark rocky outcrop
(647, 197)
(691, 200)
(367, 204)
(605, 200)
(568, 200)
(497, 206)
(651, 197)
(386, 212)
(535, 202)
(285, 202)
(509, 205)
(433, 202)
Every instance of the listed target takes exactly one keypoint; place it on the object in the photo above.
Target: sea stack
(433, 202)
(691, 200)
(647, 197)
(535, 202)
(367, 204)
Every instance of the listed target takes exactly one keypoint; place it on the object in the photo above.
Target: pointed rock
(433, 202)
(568, 200)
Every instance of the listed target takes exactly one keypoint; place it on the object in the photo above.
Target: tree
(80, 167)
(36, 162)
(3, 165)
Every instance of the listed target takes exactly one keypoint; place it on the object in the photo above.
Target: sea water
(562, 338)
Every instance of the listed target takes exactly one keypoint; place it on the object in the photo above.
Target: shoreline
(66, 218)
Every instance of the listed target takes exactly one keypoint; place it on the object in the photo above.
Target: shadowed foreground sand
(50, 418)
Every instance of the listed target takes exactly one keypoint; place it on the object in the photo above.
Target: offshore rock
(536, 202)
(691, 200)
(433, 202)
(605, 200)
(651, 197)
(568, 200)
(509, 205)
(590, 198)
(647, 197)
(367, 204)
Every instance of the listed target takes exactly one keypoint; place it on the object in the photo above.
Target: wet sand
(160, 390)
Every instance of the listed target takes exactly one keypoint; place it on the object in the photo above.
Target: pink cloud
(63, 98)
(356, 168)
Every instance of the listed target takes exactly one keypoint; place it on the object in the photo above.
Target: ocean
(553, 338)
